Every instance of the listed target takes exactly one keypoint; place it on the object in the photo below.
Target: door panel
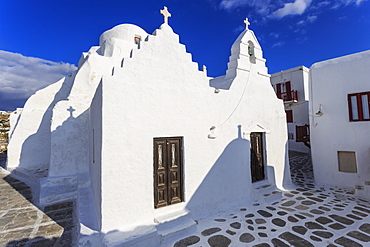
(257, 152)
(168, 162)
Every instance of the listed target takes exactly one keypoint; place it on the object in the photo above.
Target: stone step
(266, 192)
(173, 228)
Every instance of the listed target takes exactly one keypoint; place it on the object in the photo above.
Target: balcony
(288, 97)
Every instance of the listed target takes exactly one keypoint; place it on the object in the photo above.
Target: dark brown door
(257, 162)
(168, 185)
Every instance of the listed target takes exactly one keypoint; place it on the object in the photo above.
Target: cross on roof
(246, 23)
(165, 14)
(71, 110)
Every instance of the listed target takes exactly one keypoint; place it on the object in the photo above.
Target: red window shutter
(289, 116)
(278, 90)
(288, 87)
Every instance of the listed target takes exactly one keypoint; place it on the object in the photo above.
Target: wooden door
(257, 159)
(168, 184)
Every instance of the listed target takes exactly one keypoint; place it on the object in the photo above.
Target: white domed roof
(124, 32)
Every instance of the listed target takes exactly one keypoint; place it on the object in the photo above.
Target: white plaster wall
(159, 92)
(31, 135)
(331, 82)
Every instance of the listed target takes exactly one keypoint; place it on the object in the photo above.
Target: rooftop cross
(71, 110)
(165, 14)
(246, 23)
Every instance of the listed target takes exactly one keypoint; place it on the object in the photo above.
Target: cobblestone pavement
(23, 224)
(309, 215)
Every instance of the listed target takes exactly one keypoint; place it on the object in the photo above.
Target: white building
(147, 142)
(340, 122)
(291, 86)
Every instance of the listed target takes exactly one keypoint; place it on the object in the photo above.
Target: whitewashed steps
(266, 192)
(173, 228)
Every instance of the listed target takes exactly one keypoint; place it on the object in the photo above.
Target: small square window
(347, 161)
(137, 39)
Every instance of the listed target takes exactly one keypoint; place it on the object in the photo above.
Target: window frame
(359, 106)
(289, 116)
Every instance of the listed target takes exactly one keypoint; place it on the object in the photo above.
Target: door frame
(167, 159)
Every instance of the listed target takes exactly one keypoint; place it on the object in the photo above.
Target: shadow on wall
(38, 144)
(227, 182)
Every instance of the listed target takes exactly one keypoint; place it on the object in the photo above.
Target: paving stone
(324, 220)
(249, 222)
(359, 236)
(300, 229)
(323, 234)
(230, 232)
(210, 231)
(260, 221)
(278, 222)
(313, 225)
(264, 213)
(243, 209)
(295, 240)
(365, 228)
(187, 241)
(235, 225)
(292, 219)
(324, 208)
(271, 208)
(219, 241)
(249, 216)
(220, 220)
(359, 213)
(362, 209)
(315, 239)
(262, 245)
(347, 242)
(288, 203)
(341, 219)
(307, 214)
(307, 202)
(300, 216)
(354, 217)
(316, 211)
(301, 207)
(251, 228)
(278, 243)
(282, 213)
(246, 238)
(262, 235)
(315, 199)
(337, 226)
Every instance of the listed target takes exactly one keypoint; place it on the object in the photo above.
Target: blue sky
(42, 40)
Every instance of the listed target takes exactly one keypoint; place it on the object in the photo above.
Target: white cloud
(311, 18)
(296, 8)
(239, 29)
(21, 76)
(274, 35)
(262, 7)
(281, 43)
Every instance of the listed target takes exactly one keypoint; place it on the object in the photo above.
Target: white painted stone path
(308, 215)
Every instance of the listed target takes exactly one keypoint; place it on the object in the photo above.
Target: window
(289, 116)
(284, 91)
(358, 105)
(137, 39)
(302, 133)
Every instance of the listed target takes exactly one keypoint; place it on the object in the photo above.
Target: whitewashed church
(147, 143)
